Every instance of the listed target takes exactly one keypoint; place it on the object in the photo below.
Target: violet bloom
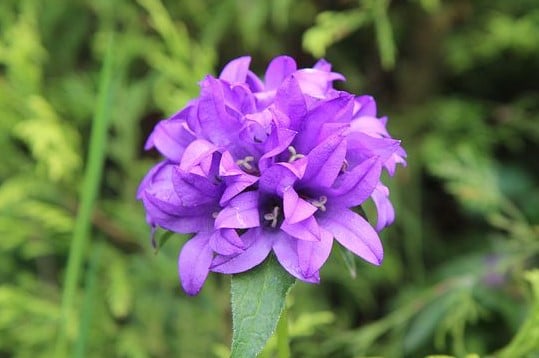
(276, 165)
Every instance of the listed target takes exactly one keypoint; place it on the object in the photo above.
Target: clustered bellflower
(277, 165)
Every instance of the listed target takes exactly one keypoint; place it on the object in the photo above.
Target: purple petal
(369, 125)
(278, 142)
(297, 167)
(295, 208)
(166, 209)
(193, 190)
(253, 82)
(275, 179)
(185, 213)
(264, 99)
(322, 65)
(194, 263)
(307, 229)
(252, 256)
(215, 122)
(235, 185)
(226, 242)
(168, 213)
(227, 165)
(198, 155)
(278, 69)
(325, 162)
(149, 178)
(333, 129)
(157, 207)
(170, 137)
(316, 83)
(354, 233)
(313, 254)
(364, 106)
(280, 119)
(354, 187)
(235, 178)
(257, 126)
(160, 185)
(240, 213)
(394, 159)
(362, 146)
(384, 208)
(336, 110)
(285, 248)
(239, 100)
(290, 99)
(236, 70)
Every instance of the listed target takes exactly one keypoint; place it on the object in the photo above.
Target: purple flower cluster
(253, 166)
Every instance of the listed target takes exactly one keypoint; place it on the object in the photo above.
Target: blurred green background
(459, 80)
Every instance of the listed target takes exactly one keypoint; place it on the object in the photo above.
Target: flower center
(247, 164)
(293, 154)
(272, 217)
(320, 203)
(344, 167)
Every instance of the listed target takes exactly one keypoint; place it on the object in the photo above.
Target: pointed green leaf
(525, 343)
(349, 261)
(161, 240)
(258, 298)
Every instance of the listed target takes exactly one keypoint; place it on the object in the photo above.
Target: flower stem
(283, 349)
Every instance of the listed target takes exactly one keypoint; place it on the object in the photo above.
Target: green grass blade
(89, 299)
(90, 186)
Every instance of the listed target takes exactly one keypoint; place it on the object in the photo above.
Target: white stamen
(246, 162)
(344, 167)
(293, 154)
(273, 217)
(320, 203)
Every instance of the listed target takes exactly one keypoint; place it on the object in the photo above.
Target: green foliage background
(459, 81)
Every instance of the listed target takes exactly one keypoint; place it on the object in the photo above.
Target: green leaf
(119, 295)
(426, 321)
(161, 241)
(349, 260)
(331, 27)
(384, 34)
(258, 298)
(526, 341)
